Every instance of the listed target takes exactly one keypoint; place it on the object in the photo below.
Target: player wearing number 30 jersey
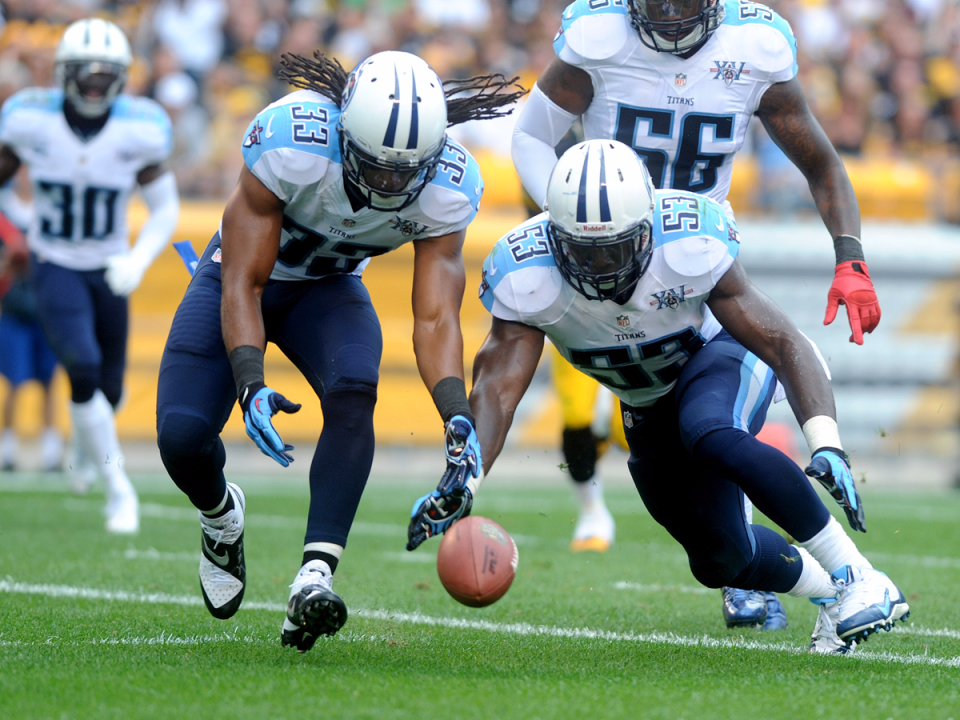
(86, 148)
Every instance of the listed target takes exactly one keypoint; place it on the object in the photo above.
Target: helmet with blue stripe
(91, 65)
(600, 205)
(393, 126)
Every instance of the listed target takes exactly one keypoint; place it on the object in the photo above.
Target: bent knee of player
(717, 559)
(183, 433)
(354, 369)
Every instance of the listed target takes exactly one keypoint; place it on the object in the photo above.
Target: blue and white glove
(257, 411)
(831, 469)
(435, 512)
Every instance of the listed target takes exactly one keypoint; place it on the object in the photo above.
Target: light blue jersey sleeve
(20, 113)
(772, 46)
(151, 125)
(516, 272)
(694, 234)
(285, 141)
(457, 191)
(592, 31)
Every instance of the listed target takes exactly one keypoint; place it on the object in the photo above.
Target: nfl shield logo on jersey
(623, 321)
(680, 79)
(627, 419)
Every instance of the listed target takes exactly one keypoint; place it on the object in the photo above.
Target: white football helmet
(600, 201)
(92, 60)
(393, 126)
(675, 26)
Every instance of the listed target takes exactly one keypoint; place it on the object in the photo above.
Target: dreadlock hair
(487, 95)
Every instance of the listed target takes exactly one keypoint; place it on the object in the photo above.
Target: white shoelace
(311, 575)
(226, 531)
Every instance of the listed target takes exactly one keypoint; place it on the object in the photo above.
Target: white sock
(814, 581)
(748, 509)
(589, 493)
(9, 446)
(96, 433)
(51, 447)
(834, 549)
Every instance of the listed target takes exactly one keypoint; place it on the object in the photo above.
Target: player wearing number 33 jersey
(346, 168)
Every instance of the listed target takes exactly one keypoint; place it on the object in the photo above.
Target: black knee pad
(716, 558)
(580, 453)
(183, 433)
(84, 381)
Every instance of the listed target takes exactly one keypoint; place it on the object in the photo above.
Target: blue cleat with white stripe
(868, 602)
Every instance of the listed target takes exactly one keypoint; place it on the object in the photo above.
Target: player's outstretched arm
(438, 284)
(562, 93)
(786, 115)
(758, 324)
(502, 371)
(159, 189)
(249, 243)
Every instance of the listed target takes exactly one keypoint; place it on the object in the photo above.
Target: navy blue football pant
(693, 455)
(86, 326)
(329, 330)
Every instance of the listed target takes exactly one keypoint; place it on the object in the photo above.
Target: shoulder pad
(128, 107)
(35, 98)
(772, 46)
(520, 277)
(458, 171)
(592, 30)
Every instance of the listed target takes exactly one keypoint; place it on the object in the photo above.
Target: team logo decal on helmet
(600, 203)
(392, 129)
(675, 26)
(91, 65)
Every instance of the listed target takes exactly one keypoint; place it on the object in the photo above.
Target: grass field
(93, 626)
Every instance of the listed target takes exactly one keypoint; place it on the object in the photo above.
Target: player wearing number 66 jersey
(630, 284)
(86, 147)
(341, 171)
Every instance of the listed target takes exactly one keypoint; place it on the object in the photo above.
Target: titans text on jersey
(81, 188)
(694, 245)
(686, 118)
(293, 149)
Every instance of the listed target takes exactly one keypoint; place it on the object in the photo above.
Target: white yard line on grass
(523, 629)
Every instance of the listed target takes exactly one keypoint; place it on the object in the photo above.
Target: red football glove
(852, 287)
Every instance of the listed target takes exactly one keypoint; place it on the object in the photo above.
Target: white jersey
(293, 148)
(636, 349)
(81, 188)
(686, 118)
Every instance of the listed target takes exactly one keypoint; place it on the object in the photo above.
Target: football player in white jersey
(86, 147)
(679, 83)
(343, 170)
(642, 289)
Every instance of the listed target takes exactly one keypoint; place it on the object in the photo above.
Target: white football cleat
(123, 511)
(314, 609)
(825, 640)
(223, 568)
(595, 530)
(868, 602)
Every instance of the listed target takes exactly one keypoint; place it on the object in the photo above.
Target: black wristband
(847, 248)
(247, 364)
(836, 451)
(450, 397)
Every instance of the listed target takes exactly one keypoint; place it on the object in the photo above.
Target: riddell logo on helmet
(594, 228)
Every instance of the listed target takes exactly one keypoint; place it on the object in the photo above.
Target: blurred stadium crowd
(883, 76)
